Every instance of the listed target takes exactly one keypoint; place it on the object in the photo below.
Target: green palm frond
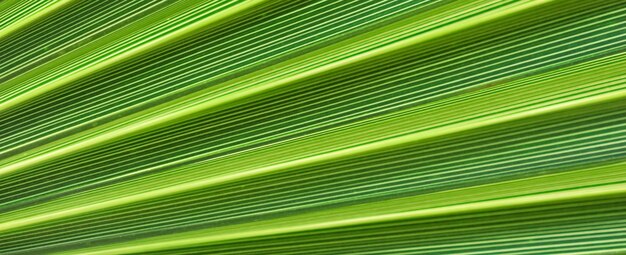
(313, 127)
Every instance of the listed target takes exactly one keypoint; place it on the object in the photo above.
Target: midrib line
(204, 237)
(133, 53)
(326, 157)
(36, 16)
(176, 112)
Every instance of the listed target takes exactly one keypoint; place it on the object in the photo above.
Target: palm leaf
(312, 127)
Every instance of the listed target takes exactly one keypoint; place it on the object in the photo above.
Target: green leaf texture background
(312, 127)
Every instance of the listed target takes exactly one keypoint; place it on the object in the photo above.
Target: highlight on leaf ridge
(312, 127)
